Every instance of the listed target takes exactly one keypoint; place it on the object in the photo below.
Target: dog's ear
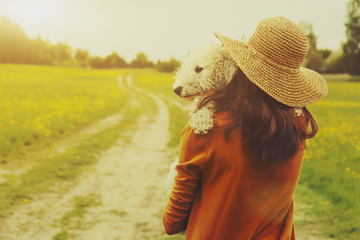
(230, 69)
(224, 70)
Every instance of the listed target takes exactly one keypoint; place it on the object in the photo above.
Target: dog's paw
(202, 121)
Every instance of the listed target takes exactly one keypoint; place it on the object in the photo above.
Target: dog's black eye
(198, 69)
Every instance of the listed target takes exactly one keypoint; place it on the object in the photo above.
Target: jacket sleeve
(194, 153)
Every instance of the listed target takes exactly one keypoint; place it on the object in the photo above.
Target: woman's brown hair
(267, 126)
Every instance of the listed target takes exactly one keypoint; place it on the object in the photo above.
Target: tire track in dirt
(129, 181)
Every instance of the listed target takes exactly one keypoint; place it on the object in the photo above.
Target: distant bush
(167, 66)
(315, 62)
(110, 61)
(96, 62)
(335, 62)
(141, 61)
(114, 61)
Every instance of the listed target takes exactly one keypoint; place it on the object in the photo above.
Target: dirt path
(127, 184)
(124, 192)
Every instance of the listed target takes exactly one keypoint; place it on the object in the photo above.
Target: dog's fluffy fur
(208, 67)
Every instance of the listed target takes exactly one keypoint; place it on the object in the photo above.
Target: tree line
(17, 48)
(346, 59)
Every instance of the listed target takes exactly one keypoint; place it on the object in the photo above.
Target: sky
(165, 28)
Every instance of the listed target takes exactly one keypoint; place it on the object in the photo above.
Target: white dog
(208, 67)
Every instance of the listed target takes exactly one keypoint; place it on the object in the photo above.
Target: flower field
(332, 161)
(42, 102)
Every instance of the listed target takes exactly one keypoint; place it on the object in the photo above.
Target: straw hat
(271, 59)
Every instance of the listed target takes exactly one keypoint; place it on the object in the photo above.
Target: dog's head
(208, 67)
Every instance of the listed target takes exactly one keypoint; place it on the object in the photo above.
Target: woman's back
(238, 180)
(240, 196)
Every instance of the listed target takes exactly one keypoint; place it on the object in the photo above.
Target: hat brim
(293, 87)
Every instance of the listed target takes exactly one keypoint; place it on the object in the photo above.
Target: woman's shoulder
(220, 121)
(215, 135)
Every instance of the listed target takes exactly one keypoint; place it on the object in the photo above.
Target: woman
(238, 181)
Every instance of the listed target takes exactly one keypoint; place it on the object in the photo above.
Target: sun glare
(30, 10)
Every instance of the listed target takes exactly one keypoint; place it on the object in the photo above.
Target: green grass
(63, 235)
(64, 167)
(69, 165)
(328, 183)
(332, 162)
(178, 119)
(81, 204)
(157, 82)
(73, 219)
(39, 103)
(180, 236)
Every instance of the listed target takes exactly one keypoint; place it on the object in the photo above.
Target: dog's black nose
(178, 91)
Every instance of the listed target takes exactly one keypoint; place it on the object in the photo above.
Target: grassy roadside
(69, 165)
(309, 205)
(73, 219)
(331, 171)
(161, 84)
(178, 119)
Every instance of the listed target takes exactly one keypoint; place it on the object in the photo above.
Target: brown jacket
(222, 191)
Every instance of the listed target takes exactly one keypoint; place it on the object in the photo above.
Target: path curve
(129, 181)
